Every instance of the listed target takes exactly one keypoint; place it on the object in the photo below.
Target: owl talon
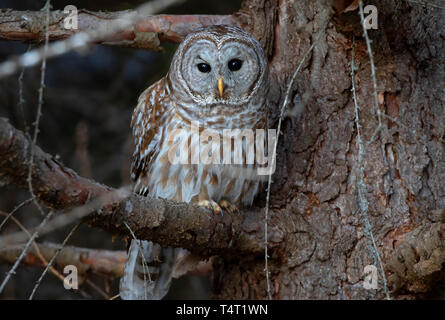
(228, 206)
(212, 205)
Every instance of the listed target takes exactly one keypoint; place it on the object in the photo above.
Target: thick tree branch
(126, 28)
(98, 261)
(165, 222)
(106, 262)
(146, 33)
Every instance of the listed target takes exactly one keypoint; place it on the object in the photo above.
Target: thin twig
(31, 161)
(269, 182)
(144, 261)
(362, 190)
(25, 249)
(51, 262)
(379, 118)
(24, 203)
(39, 108)
(36, 247)
(21, 101)
(373, 76)
(95, 287)
(72, 216)
(115, 297)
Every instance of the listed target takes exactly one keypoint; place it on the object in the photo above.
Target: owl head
(221, 65)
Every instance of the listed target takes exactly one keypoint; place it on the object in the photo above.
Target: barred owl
(218, 80)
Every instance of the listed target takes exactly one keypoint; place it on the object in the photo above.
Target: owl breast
(181, 163)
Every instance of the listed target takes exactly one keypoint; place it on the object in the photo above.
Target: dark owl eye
(235, 64)
(204, 67)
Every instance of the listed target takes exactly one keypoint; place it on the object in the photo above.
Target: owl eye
(235, 64)
(204, 67)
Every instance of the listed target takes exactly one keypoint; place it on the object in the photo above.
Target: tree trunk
(321, 242)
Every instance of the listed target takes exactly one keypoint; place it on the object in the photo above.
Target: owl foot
(210, 204)
(230, 207)
(157, 259)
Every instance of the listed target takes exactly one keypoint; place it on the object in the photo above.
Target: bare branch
(362, 190)
(26, 26)
(83, 39)
(98, 261)
(39, 105)
(9, 215)
(163, 221)
(39, 254)
(25, 249)
(105, 262)
(53, 259)
(126, 28)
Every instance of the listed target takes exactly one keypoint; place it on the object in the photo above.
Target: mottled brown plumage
(218, 80)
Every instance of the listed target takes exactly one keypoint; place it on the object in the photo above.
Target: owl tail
(147, 279)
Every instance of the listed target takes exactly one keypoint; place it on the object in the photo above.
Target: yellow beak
(220, 87)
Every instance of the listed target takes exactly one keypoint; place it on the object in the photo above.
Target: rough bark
(314, 195)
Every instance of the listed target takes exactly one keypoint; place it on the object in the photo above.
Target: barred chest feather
(172, 139)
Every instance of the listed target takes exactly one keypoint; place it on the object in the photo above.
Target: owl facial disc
(221, 65)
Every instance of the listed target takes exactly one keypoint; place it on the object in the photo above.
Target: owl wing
(150, 276)
(148, 120)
